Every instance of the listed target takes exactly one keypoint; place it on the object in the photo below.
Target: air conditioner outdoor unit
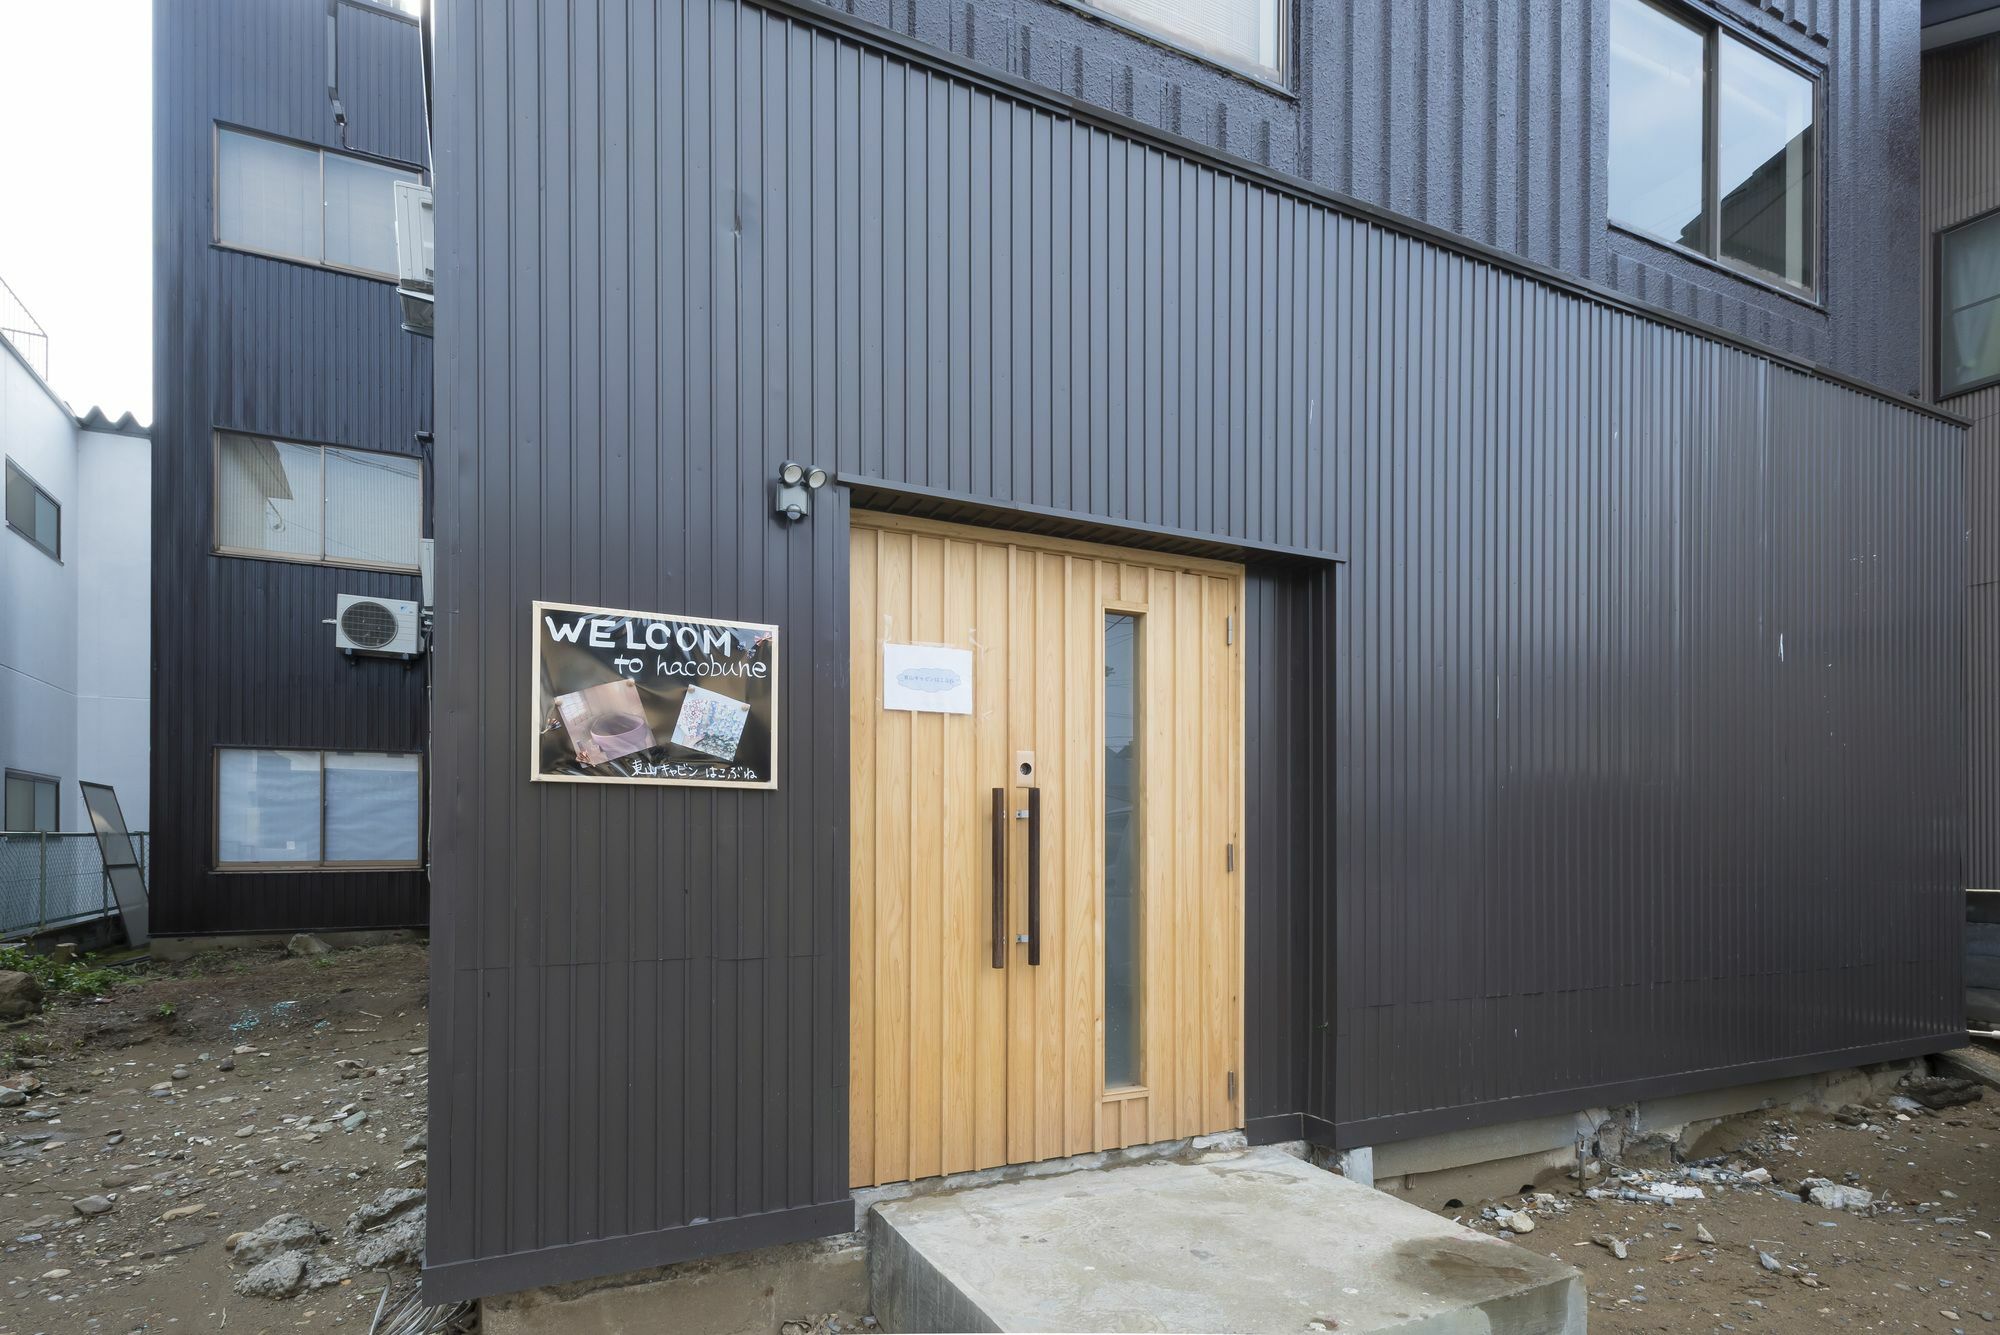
(386, 626)
(416, 256)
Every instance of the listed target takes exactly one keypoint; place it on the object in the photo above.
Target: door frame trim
(1101, 551)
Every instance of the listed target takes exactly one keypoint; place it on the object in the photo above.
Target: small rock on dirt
(1519, 1222)
(20, 995)
(307, 946)
(1769, 1262)
(91, 1206)
(1702, 1234)
(1615, 1246)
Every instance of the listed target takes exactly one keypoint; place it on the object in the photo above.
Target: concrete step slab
(1254, 1241)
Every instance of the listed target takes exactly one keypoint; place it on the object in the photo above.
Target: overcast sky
(76, 188)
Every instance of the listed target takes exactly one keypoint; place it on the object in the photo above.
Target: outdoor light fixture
(792, 497)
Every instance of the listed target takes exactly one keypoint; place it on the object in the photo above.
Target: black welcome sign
(650, 697)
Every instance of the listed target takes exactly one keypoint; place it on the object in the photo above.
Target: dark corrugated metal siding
(1487, 118)
(678, 247)
(1961, 120)
(241, 656)
(1648, 723)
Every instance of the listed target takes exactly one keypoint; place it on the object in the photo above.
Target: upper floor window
(302, 203)
(320, 503)
(32, 512)
(1968, 303)
(1713, 145)
(1248, 35)
(30, 804)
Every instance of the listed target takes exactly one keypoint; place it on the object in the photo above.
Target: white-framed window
(32, 512)
(1246, 35)
(1714, 144)
(297, 202)
(325, 504)
(1968, 305)
(33, 803)
(281, 808)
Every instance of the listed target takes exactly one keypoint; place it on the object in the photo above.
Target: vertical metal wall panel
(242, 656)
(1649, 728)
(1548, 836)
(1487, 118)
(1961, 137)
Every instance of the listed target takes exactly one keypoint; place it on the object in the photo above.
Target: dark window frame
(215, 544)
(1279, 82)
(1938, 311)
(14, 470)
(1713, 28)
(34, 777)
(218, 128)
(321, 864)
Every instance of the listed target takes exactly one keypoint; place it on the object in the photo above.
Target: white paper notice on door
(927, 678)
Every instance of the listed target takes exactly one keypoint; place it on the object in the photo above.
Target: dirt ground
(1921, 1258)
(275, 1057)
(186, 1163)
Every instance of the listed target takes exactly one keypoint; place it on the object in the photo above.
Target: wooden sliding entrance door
(1047, 924)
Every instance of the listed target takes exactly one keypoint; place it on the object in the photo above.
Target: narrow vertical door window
(1121, 850)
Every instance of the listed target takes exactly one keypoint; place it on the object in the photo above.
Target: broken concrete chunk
(279, 1277)
(279, 1233)
(401, 1243)
(1836, 1196)
(1613, 1245)
(386, 1206)
(1520, 1221)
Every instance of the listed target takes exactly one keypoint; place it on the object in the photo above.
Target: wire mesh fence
(53, 880)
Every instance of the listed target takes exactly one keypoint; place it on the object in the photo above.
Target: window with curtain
(1246, 34)
(328, 504)
(1712, 144)
(1968, 305)
(318, 808)
(303, 203)
(32, 512)
(32, 804)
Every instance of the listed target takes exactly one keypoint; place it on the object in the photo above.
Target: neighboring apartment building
(1961, 247)
(1379, 573)
(74, 597)
(291, 412)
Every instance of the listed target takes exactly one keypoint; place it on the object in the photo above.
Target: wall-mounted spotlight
(792, 496)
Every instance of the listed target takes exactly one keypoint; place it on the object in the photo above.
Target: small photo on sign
(711, 724)
(927, 678)
(605, 722)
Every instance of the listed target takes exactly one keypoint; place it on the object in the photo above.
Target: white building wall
(114, 621)
(38, 593)
(75, 641)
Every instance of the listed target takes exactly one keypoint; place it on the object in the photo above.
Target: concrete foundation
(750, 1293)
(1248, 1241)
(1485, 1163)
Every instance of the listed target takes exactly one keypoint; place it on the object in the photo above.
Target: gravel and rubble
(1873, 1217)
(233, 1142)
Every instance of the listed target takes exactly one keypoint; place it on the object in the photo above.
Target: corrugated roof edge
(126, 425)
(866, 33)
